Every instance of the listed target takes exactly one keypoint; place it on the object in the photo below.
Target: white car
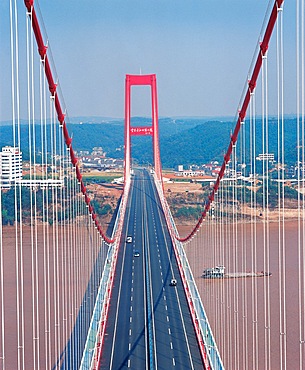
(136, 253)
(129, 239)
(173, 282)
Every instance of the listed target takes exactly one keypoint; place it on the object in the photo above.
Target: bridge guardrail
(99, 316)
(200, 319)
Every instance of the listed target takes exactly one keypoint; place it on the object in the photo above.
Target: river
(255, 320)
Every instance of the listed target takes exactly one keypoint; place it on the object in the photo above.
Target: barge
(218, 272)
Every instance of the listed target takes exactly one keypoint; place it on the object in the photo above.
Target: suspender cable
(17, 189)
(300, 93)
(281, 196)
(42, 49)
(263, 48)
(253, 203)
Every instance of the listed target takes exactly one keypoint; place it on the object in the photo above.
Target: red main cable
(42, 49)
(242, 113)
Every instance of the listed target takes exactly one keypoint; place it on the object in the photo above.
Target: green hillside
(182, 141)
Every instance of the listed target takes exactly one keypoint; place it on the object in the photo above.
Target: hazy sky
(200, 50)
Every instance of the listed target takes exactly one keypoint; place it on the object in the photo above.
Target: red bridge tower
(142, 130)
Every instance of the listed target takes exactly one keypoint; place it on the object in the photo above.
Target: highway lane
(175, 337)
(149, 325)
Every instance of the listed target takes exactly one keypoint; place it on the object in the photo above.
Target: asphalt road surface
(149, 324)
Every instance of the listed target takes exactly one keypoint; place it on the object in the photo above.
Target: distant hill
(182, 140)
(207, 141)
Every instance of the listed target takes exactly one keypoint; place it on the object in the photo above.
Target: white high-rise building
(10, 166)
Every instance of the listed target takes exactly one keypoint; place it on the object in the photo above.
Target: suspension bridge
(77, 293)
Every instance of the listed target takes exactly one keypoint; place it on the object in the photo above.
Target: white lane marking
(167, 318)
(164, 297)
(130, 319)
(174, 363)
(166, 307)
(129, 332)
(167, 247)
(119, 293)
(144, 236)
(129, 346)
(128, 364)
(130, 308)
(169, 331)
(171, 344)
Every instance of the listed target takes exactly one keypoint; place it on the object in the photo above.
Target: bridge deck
(149, 324)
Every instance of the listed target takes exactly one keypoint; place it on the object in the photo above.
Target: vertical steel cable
(281, 196)
(233, 211)
(2, 341)
(302, 44)
(264, 213)
(69, 260)
(17, 189)
(228, 267)
(53, 251)
(253, 200)
(243, 225)
(57, 296)
(2, 309)
(223, 249)
(65, 228)
(44, 169)
(2, 312)
(300, 93)
(77, 282)
(61, 212)
(303, 161)
(33, 198)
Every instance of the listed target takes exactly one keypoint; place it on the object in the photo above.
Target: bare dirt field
(182, 187)
(110, 193)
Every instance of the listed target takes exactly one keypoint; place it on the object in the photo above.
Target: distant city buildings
(242, 170)
(205, 170)
(101, 164)
(10, 166)
(98, 151)
(11, 171)
(97, 160)
(266, 157)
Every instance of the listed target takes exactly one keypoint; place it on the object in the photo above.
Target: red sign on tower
(142, 130)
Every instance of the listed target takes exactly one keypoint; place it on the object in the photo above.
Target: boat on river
(218, 272)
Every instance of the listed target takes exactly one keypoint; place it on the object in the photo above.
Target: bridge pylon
(152, 130)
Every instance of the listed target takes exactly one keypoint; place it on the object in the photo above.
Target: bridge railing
(91, 354)
(204, 332)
